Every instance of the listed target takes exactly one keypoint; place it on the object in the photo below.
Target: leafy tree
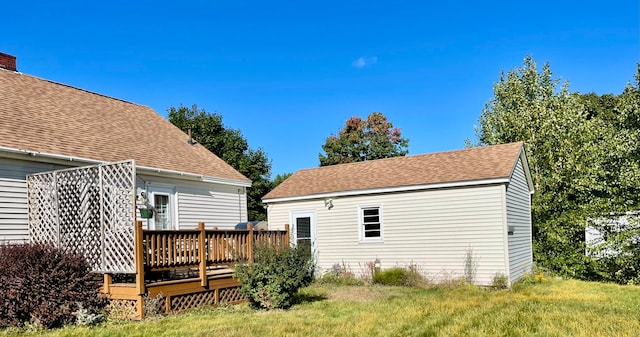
(279, 179)
(583, 158)
(228, 144)
(619, 256)
(360, 140)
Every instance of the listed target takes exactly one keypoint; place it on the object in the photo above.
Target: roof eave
(64, 159)
(51, 158)
(522, 155)
(199, 177)
(489, 181)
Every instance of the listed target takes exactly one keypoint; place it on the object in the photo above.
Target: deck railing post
(202, 250)
(250, 242)
(285, 241)
(139, 258)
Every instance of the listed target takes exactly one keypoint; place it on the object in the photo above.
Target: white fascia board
(391, 189)
(63, 159)
(224, 181)
(192, 176)
(522, 155)
(45, 157)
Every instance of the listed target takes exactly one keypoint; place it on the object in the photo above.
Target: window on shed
(371, 223)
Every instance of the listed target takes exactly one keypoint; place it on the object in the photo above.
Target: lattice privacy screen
(88, 210)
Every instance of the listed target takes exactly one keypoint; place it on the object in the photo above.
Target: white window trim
(152, 189)
(362, 239)
(293, 238)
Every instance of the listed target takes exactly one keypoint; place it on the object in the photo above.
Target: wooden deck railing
(199, 248)
(171, 249)
(158, 250)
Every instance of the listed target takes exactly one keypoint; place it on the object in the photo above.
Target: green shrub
(500, 281)
(394, 277)
(271, 281)
(342, 280)
(340, 275)
(44, 286)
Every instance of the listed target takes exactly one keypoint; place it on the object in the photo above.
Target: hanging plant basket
(146, 213)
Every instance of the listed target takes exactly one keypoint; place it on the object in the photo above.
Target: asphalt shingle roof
(44, 116)
(479, 163)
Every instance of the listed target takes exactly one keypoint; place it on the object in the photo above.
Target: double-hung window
(370, 223)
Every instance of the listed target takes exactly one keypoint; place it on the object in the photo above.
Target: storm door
(162, 199)
(304, 227)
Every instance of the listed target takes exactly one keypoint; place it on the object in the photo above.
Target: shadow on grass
(303, 298)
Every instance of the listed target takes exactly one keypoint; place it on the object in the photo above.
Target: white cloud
(364, 61)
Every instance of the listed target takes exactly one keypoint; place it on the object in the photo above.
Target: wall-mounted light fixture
(328, 203)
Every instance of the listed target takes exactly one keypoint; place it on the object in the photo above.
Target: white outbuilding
(431, 211)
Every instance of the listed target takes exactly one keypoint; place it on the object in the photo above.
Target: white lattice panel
(43, 208)
(118, 216)
(87, 210)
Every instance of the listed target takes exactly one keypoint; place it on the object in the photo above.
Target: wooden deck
(182, 269)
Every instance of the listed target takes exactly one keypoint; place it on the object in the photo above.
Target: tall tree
(619, 255)
(279, 179)
(575, 146)
(228, 144)
(364, 139)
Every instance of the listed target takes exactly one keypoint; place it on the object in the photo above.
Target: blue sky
(288, 74)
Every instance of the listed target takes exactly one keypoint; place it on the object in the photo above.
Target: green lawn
(553, 308)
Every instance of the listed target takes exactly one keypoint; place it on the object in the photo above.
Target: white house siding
(431, 229)
(13, 197)
(217, 205)
(519, 218)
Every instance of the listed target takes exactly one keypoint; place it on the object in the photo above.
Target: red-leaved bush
(42, 285)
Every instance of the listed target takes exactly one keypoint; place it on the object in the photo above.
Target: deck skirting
(172, 296)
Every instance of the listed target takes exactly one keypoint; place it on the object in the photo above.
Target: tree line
(361, 139)
(583, 151)
(584, 156)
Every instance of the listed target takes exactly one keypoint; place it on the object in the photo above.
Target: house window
(370, 223)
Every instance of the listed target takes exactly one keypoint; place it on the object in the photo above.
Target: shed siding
(13, 197)
(519, 217)
(432, 229)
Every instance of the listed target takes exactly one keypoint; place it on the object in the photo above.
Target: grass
(552, 308)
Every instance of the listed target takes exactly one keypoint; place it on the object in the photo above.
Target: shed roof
(468, 165)
(47, 117)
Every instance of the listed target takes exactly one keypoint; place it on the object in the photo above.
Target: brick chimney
(8, 62)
